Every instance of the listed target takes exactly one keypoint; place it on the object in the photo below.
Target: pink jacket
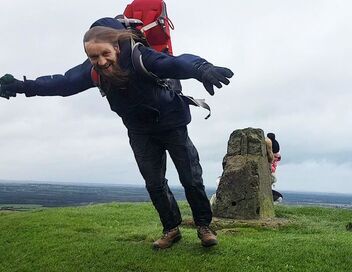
(274, 164)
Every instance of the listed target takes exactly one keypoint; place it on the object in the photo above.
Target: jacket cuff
(27, 90)
(201, 67)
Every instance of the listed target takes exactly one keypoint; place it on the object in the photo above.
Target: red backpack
(156, 24)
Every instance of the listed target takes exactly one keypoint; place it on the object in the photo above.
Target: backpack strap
(160, 21)
(198, 102)
(139, 67)
(129, 23)
(96, 80)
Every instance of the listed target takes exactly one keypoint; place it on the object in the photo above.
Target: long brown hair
(101, 34)
(108, 35)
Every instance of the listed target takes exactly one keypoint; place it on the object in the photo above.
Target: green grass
(118, 237)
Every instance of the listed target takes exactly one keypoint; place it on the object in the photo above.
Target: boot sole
(175, 240)
(210, 243)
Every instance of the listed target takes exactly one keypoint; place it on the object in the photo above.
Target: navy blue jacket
(145, 106)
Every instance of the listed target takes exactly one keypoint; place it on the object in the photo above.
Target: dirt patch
(224, 223)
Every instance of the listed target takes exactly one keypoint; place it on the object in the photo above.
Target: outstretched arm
(72, 82)
(185, 66)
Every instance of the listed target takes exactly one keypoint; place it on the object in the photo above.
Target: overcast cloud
(292, 63)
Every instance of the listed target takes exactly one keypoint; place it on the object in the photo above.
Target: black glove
(213, 75)
(9, 86)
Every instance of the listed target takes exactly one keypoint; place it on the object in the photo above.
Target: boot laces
(167, 233)
(205, 230)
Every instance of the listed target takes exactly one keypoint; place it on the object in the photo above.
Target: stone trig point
(244, 190)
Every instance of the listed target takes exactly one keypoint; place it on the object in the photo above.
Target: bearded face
(105, 57)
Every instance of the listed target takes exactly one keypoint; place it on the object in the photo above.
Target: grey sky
(292, 64)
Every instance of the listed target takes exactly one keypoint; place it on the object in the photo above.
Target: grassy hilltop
(118, 237)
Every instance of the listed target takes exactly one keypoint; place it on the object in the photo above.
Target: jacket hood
(108, 22)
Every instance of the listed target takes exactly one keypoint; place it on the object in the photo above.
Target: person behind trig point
(273, 149)
(276, 157)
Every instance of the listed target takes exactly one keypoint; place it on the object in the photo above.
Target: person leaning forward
(156, 117)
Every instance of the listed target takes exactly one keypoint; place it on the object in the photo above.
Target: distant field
(19, 207)
(57, 195)
(60, 195)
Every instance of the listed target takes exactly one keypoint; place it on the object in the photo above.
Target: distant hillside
(58, 195)
(118, 237)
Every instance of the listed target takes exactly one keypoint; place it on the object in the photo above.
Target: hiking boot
(169, 237)
(207, 236)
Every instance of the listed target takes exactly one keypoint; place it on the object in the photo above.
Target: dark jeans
(150, 153)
